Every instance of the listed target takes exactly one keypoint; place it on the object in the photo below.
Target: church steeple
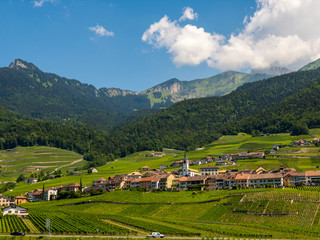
(185, 167)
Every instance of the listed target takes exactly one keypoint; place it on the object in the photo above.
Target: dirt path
(140, 232)
(67, 165)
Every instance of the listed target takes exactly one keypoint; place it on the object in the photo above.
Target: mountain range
(284, 103)
(26, 89)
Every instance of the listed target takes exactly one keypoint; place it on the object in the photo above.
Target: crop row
(12, 223)
(73, 223)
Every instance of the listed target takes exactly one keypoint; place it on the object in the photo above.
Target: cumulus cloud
(279, 33)
(188, 13)
(101, 31)
(39, 3)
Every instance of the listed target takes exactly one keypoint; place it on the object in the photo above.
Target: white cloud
(188, 14)
(101, 31)
(39, 3)
(280, 32)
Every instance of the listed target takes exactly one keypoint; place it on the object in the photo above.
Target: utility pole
(261, 226)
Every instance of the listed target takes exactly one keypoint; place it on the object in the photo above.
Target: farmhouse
(134, 175)
(241, 179)
(93, 170)
(15, 210)
(196, 181)
(31, 180)
(166, 181)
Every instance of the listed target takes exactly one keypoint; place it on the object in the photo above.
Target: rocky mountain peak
(22, 65)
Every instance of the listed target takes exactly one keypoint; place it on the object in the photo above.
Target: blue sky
(63, 37)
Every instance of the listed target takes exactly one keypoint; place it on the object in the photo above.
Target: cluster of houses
(228, 159)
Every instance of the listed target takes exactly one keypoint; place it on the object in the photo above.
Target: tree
(80, 188)
(21, 178)
(42, 197)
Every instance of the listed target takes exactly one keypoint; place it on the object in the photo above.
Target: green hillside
(311, 66)
(28, 160)
(28, 90)
(196, 122)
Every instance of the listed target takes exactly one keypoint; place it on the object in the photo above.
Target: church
(186, 171)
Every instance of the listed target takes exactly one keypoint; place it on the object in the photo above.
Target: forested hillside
(27, 90)
(195, 122)
(15, 130)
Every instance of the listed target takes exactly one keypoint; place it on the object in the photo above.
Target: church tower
(185, 167)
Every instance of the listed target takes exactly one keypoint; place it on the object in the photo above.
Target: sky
(137, 44)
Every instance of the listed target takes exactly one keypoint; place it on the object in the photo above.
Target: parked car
(155, 235)
(17, 234)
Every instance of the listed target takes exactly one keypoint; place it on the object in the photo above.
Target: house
(294, 178)
(135, 183)
(241, 179)
(159, 154)
(4, 201)
(49, 194)
(177, 164)
(145, 168)
(15, 210)
(93, 170)
(245, 170)
(134, 175)
(31, 180)
(226, 180)
(73, 187)
(20, 199)
(116, 182)
(211, 182)
(273, 151)
(166, 181)
(149, 154)
(312, 177)
(175, 183)
(209, 170)
(256, 155)
(261, 180)
(163, 166)
(315, 140)
(99, 182)
(146, 182)
(183, 183)
(260, 170)
(196, 181)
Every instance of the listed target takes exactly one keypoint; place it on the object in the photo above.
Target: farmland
(284, 213)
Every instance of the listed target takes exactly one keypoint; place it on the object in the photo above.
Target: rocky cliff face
(113, 92)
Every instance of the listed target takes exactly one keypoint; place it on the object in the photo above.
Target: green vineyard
(69, 223)
(12, 223)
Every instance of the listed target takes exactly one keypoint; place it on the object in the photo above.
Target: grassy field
(26, 160)
(287, 213)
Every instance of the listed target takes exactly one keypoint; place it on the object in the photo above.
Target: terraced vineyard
(25, 160)
(12, 223)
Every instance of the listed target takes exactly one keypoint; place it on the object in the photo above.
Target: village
(210, 177)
